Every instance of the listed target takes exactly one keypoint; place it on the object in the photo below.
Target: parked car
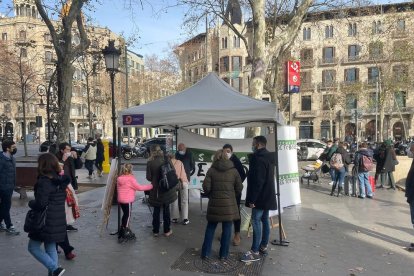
(44, 147)
(155, 141)
(309, 149)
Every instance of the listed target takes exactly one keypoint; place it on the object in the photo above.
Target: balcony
(327, 85)
(373, 58)
(306, 114)
(327, 114)
(371, 83)
(307, 86)
(307, 63)
(352, 83)
(331, 61)
(351, 60)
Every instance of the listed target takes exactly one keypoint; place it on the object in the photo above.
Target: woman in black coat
(50, 193)
(99, 156)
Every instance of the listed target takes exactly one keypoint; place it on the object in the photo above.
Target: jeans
(98, 165)
(89, 166)
(224, 241)
(340, 177)
(48, 257)
(364, 184)
(126, 210)
(261, 229)
(5, 205)
(175, 212)
(165, 216)
(390, 177)
(332, 172)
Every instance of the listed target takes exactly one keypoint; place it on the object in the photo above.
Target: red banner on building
(293, 76)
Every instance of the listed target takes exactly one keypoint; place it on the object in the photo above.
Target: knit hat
(388, 142)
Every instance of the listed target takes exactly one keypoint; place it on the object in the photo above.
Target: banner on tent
(203, 149)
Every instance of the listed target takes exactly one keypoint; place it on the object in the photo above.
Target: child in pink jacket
(126, 187)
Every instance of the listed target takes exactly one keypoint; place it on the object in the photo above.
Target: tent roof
(211, 102)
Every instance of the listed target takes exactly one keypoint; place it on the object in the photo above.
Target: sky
(154, 31)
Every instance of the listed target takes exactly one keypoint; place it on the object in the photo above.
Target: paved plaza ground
(328, 235)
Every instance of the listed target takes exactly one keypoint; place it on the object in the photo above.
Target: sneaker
(331, 183)
(70, 256)
(174, 220)
(369, 196)
(155, 234)
(263, 250)
(2, 227)
(362, 197)
(12, 231)
(250, 256)
(89, 177)
(71, 228)
(59, 271)
(169, 233)
(186, 221)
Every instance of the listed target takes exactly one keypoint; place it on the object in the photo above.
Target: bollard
(106, 165)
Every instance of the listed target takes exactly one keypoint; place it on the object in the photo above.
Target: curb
(399, 187)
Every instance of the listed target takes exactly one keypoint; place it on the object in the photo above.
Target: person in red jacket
(126, 187)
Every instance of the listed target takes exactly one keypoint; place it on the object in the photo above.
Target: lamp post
(4, 119)
(112, 55)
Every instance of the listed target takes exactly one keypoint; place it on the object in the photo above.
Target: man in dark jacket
(187, 158)
(342, 171)
(327, 155)
(7, 185)
(67, 157)
(261, 197)
(409, 190)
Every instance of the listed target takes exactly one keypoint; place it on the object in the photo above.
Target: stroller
(311, 172)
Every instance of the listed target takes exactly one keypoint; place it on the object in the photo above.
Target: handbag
(35, 220)
(325, 168)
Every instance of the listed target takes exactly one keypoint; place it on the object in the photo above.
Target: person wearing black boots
(341, 171)
(409, 190)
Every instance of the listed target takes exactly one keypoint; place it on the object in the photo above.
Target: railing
(305, 86)
(307, 63)
(352, 59)
(328, 61)
(327, 85)
(306, 114)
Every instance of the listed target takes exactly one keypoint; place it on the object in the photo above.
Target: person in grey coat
(7, 185)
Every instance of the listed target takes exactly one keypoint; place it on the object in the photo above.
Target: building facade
(354, 63)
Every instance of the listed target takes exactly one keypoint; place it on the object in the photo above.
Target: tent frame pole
(281, 241)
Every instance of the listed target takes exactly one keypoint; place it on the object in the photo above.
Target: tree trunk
(381, 124)
(65, 72)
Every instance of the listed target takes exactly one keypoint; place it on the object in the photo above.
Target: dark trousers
(165, 216)
(89, 166)
(65, 245)
(126, 210)
(98, 165)
(224, 241)
(5, 205)
(237, 223)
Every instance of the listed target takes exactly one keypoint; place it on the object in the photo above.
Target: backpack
(336, 161)
(168, 177)
(366, 163)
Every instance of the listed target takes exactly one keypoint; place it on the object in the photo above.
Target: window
(328, 54)
(236, 83)
(375, 50)
(23, 52)
(306, 103)
(373, 74)
(400, 73)
(306, 54)
(351, 101)
(236, 63)
(48, 73)
(329, 31)
(22, 35)
(307, 34)
(48, 56)
(351, 75)
(401, 49)
(352, 29)
(328, 76)
(400, 99)
(224, 64)
(327, 102)
(305, 130)
(4, 36)
(306, 77)
(376, 27)
(236, 42)
(353, 52)
(48, 38)
(401, 25)
(224, 42)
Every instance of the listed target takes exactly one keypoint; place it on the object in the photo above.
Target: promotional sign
(293, 76)
(133, 120)
(203, 149)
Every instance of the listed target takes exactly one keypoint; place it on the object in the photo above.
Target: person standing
(261, 197)
(66, 156)
(100, 158)
(363, 162)
(228, 149)
(341, 171)
(126, 187)
(49, 192)
(327, 155)
(89, 153)
(390, 161)
(159, 198)
(409, 190)
(221, 184)
(182, 192)
(7, 185)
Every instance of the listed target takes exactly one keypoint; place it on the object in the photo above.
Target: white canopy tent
(211, 102)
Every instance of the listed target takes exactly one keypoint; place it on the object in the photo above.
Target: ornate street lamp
(111, 55)
(4, 119)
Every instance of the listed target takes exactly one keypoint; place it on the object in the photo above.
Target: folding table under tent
(210, 103)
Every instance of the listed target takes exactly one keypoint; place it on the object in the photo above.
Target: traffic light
(39, 121)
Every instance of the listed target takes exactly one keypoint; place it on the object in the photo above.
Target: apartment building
(353, 61)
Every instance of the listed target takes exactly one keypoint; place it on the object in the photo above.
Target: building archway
(305, 130)
(398, 131)
(370, 130)
(350, 131)
(9, 131)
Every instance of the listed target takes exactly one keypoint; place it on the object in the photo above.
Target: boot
(339, 191)
(121, 234)
(236, 239)
(333, 189)
(129, 235)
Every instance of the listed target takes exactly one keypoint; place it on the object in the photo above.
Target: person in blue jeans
(342, 171)
(363, 170)
(260, 196)
(221, 184)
